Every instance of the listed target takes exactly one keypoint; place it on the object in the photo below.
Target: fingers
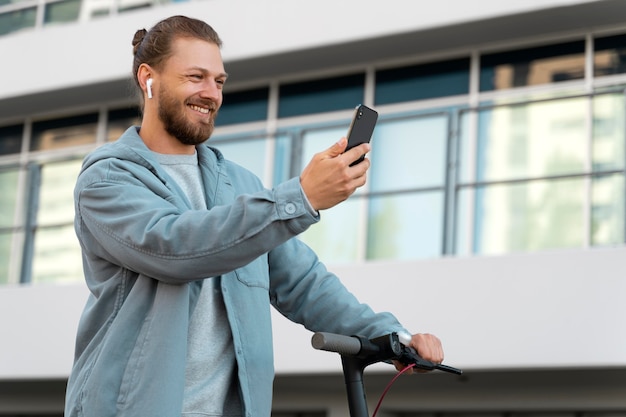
(428, 346)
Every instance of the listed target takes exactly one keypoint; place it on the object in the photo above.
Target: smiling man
(184, 252)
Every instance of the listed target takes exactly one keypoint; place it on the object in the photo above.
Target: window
(119, 120)
(11, 139)
(420, 82)
(329, 236)
(244, 106)
(66, 132)
(62, 11)
(532, 66)
(250, 152)
(400, 215)
(15, 20)
(533, 180)
(55, 250)
(8, 231)
(407, 182)
(609, 55)
(309, 97)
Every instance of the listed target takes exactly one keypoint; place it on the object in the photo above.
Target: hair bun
(138, 38)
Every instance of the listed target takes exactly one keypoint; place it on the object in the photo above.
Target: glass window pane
(17, 20)
(11, 139)
(405, 226)
(530, 140)
(318, 140)
(282, 158)
(607, 210)
(61, 133)
(244, 106)
(6, 238)
(336, 237)
(57, 256)
(320, 96)
(408, 154)
(56, 193)
(62, 11)
(609, 55)
(609, 127)
(119, 120)
(526, 216)
(533, 66)
(251, 154)
(8, 196)
(420, 82)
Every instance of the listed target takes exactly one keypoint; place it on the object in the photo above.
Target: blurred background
(494, 211)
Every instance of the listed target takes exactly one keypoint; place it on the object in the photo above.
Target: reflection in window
(607, 211)
(337, 237)
(8, 196)
(17, 20)
(56, 192)
(243, 107)
(609, 55)
(6, 239)
(420, 82)
(56, 253)
(409, 154)
(529, 140)
(251, 154)
(119, 120)
(62, 11)
(11, 139)
(532, 66)
(405, 226)
(339, 93)
(328, 237)
(8, 201)
(528, 216)
(609, 126)
(66, 132)
(57, 256)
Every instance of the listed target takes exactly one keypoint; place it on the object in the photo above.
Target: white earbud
(149, 87)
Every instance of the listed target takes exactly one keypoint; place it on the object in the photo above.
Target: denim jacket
(146, 254)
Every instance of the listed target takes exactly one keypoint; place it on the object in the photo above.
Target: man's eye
(196, 76)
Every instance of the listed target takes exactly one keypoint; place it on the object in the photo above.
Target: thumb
(338, 147)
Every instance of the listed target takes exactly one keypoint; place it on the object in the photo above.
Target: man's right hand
(329, 179)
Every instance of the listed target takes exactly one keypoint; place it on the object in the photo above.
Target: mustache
(210, 104)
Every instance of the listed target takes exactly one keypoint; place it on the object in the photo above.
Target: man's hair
(154, 47)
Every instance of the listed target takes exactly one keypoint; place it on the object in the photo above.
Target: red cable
(380, 401)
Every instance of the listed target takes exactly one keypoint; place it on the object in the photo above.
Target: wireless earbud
(149, 87)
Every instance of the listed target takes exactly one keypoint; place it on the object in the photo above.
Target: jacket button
(290, 208)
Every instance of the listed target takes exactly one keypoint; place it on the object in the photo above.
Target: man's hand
(329, 179)
(428, 347)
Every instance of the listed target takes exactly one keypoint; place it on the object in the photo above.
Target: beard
(174, 119)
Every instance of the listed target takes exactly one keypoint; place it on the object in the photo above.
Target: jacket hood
(130, 147)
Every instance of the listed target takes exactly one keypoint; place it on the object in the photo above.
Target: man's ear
(145, 77)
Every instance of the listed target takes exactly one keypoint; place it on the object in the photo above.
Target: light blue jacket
(145, 255)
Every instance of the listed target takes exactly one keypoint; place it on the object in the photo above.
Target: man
(184, 252)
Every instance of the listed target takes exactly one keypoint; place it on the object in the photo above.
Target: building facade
(493, 214)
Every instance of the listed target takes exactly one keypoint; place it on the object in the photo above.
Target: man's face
(190, 92)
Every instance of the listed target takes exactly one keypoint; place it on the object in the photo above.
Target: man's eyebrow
(206, 71)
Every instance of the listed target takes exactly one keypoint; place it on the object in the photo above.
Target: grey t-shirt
(211, 386)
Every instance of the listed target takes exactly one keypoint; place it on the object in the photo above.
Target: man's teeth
(200, 109)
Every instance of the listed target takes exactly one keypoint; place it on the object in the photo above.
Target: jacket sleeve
(304, 291)
(135, 221)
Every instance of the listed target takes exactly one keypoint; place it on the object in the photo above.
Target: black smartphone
(361, 128)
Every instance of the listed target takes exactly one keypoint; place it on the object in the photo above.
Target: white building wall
(553, 310)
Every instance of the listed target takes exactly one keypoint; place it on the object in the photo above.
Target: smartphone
(361, 128)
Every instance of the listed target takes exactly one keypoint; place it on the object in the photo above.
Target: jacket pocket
(255, 274)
